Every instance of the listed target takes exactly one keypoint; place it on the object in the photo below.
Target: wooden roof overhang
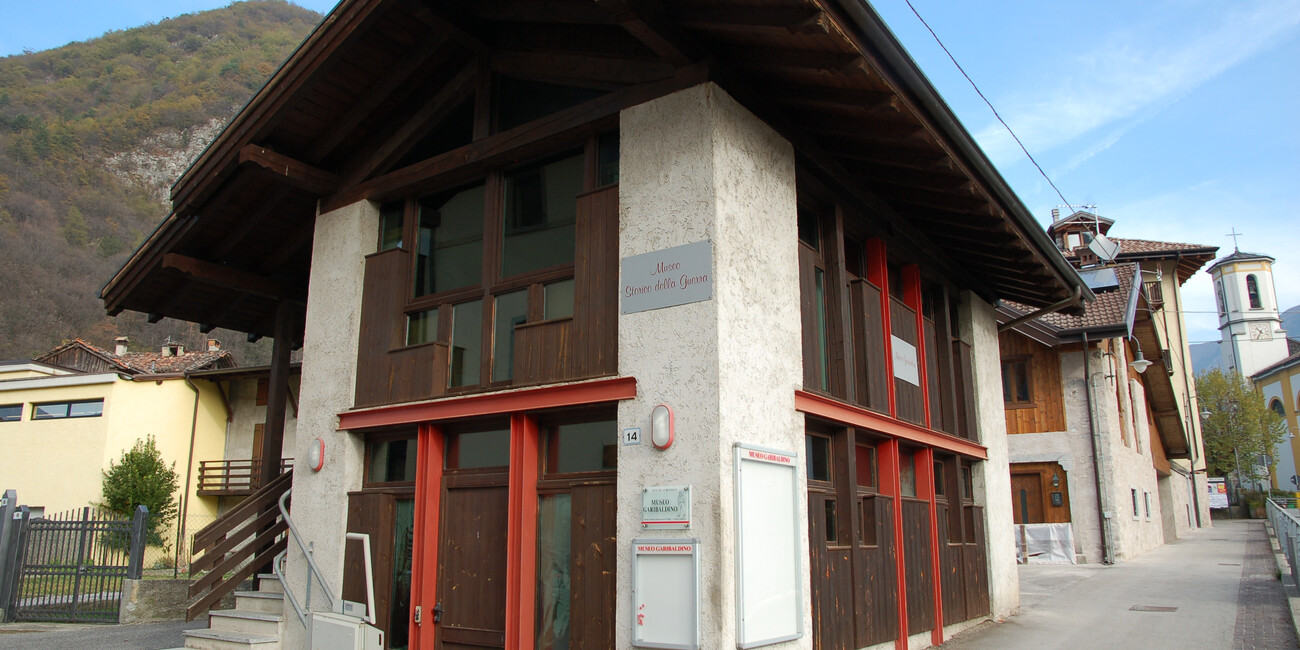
(333, 122)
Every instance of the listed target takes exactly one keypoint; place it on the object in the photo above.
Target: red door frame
(521, 536)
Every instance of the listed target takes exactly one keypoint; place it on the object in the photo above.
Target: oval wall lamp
(316, 455)
(661, 427)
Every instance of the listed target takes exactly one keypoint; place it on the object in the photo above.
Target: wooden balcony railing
(233, 478)
(238, 544)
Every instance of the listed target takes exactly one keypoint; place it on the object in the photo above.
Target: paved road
(1216, 588)
(50, 636)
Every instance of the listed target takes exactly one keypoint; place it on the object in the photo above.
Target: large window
(491, 256)
(11, 412)
(92, 408)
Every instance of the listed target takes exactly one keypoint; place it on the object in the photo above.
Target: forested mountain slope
(92, 136)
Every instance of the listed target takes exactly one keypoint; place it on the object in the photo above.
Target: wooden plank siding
(832, 581)
(952, 575)
(1046, 410)
(917, 565)
(934, 380)
(876, 579)
(975, 563)
(870, 372)
(592, 588)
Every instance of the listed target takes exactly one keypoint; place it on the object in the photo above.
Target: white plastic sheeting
(1044, 544)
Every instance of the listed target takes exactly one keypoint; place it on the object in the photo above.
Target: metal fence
(1282, 514)
(70, 566)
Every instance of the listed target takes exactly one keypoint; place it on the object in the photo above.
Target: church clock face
(1261, 332)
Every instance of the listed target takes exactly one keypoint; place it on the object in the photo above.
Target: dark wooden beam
(588, 69)
(814, 96)
(583, 12)
(522, 141)
(963, 202)
(450, 19)
(294, 173)
(233, 239)
(456, 90)
(719, 18)
(649, 24)
(914, 178)
(231, 278)
(392, 79)
(903, 156)
(769, 59)
(291, 246)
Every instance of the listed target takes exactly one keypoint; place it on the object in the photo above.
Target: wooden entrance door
(472, 557)
(1027, 498)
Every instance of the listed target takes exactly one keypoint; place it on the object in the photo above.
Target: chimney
(1056, 214)
(214, 345)
(172, 348)
(121, 345)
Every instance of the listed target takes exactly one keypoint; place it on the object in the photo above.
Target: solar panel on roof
(1099, 279)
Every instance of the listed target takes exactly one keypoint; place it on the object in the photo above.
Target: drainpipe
(1106, 551)
(189, 470)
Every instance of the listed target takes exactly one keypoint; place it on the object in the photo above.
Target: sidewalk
(1215, 588)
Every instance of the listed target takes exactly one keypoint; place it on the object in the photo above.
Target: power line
(986, 101)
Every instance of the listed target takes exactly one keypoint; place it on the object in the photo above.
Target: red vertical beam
(912, 298)
(878, 274)
(925, 489)
(891, 484)
(424, 559)
(521, 536)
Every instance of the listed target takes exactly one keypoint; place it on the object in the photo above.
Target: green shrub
(142, 478)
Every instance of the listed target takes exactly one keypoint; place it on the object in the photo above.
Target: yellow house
(1280, 386)
(67, 414)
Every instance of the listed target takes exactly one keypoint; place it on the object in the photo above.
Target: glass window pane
(50, 411)
(832, 521)
(450, 251)
(466, 343)
(607, 160)
(823, 346)
(391, 461)
(480, 449)
(541, 210)
(559, 300)
(11, 412)
(868, 532)
(809, 233)
(403, 545)
(819, 458)
(422, 327)
(585, 447)
(939, 480)
(86, 409)
(390, 225)
(907, 474)
(511, 310)
(554, 526)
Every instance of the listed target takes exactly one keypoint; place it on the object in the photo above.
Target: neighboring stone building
(552, 265)
(1104, 449)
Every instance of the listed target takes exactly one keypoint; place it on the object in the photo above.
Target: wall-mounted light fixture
(1139, 363)
(662, 427)
(1056, 480)
(316, 455)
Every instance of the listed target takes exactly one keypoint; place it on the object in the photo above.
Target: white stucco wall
(343, 238)
(696, 166)
(242, 395)
(992, 478)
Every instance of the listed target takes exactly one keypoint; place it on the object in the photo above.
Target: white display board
(769, 599)
(666, 593)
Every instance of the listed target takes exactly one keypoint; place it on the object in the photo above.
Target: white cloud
(1118, 76)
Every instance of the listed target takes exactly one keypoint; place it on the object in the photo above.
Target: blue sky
(1177, 118)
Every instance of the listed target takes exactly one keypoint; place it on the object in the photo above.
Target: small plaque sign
(667, 278)
(905, 366)
(666, 507)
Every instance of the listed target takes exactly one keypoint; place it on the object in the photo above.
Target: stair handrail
(312, 568)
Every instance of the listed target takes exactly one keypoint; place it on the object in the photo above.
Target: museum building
(652, 324)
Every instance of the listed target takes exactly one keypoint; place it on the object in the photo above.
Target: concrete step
(217, 640)
(268, 583)
(259, 601)
(245, 622)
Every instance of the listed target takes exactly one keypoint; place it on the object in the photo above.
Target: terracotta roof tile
(1110, 309)
(155, 363)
